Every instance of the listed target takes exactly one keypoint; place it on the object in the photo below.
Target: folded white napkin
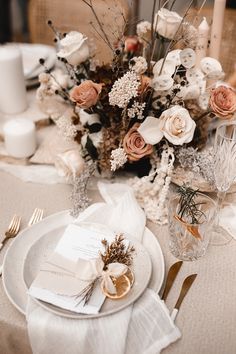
(142, 328)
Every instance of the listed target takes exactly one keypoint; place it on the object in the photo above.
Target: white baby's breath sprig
(66, 128)
(118, 158)
(124, 89)
(136, 110)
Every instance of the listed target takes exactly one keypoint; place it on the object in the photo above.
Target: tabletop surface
(207, 318)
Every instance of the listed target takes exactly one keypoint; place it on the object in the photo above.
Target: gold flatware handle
(3, 241)
(172, 274)
(187, 283)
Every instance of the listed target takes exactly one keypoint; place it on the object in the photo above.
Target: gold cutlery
(12, 230)
(36, 216)
(187, 283)
(172, 274)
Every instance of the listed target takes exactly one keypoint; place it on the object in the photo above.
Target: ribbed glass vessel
(189, 241)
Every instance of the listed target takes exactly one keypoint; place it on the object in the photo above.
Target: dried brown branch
(90, 4)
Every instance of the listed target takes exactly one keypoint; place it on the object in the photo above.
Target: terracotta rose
(135, 146)
(223, 102)
(132, 44)
(86, 94)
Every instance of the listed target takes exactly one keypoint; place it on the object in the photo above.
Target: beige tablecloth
(207, 318)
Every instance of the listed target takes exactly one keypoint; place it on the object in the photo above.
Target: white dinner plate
(13, 266)
(43, 248)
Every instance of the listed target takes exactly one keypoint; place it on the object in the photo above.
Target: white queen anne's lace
(124, 89)
(118, 158)
(136, 110)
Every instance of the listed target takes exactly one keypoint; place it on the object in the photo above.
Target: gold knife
(172, 274)
(184, 290)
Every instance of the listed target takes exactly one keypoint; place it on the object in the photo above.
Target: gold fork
(12, 230)
(36, 216)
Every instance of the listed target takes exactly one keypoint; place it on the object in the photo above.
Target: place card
(57, 282)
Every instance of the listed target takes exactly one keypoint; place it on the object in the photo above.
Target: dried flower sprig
(86, 293)
(117, 251)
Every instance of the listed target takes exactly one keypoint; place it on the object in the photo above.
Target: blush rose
(223, 102)
(86, 94)
(135, 146)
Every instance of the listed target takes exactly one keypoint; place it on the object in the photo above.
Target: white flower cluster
(144, 31)
(152, 195)
(138, 64)
(124, 89)
(67, 129)
(118, 158)
(136, 110)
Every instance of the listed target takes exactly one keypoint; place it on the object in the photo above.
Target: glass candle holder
(189, 241)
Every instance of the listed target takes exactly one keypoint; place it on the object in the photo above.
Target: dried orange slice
(122, 285)
(193, 229)
(130, 275)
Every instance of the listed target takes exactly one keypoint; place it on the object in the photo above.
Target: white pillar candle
(20, 137)
(12, 83)
(201, 48)
(216, 28)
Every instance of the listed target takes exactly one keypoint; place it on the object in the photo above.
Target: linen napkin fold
(142, 328)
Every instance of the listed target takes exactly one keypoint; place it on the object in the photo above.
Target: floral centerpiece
(156, 96)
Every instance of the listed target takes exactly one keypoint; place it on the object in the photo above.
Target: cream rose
(74, 48)
(69, 163)
(134, 145)
(167, 23)
(223, 102)
(144, 31)
(175, 124)
(138, 65)
(86, 94)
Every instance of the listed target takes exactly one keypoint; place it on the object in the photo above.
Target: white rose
(69, 163)
(167, 23)
(74, 48)
(144, 31)
(175, 124)
(139, 65)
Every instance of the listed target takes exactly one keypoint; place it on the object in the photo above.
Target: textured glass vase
(189, 241)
